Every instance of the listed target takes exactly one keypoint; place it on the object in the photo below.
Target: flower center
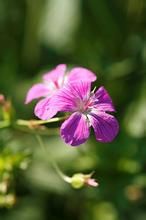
(56, 85)
(85, 106)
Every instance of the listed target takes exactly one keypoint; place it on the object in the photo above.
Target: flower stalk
(34, 123)
(78, 180)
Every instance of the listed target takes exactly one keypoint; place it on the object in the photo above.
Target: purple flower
(53, 81)
(87, 109)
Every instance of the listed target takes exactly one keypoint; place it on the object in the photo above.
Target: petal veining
(72, 96)
(75, 130)
(105, 126)
(104, 101)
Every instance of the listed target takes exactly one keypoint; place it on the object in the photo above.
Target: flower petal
(44, 110)
(75, 130)
(92, 182)
(104, 101)
(105, 126)
(70, 96)
(55, 74)
(37, 91)
(80, 73)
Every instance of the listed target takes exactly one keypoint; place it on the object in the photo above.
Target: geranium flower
(87, 109)
(52, 82)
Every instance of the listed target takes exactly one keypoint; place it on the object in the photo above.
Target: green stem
(46, 131)
(55, 166)
(31, 126)
(38, 122)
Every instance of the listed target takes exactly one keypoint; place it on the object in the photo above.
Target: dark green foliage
(108, 37)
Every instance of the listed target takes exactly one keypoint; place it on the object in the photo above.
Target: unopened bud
(79, 180)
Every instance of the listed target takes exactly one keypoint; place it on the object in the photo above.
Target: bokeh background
(108, 37)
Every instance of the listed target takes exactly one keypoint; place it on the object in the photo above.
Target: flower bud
(79, 180)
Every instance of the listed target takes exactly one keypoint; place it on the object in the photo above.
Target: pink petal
(104, 101)
(105, 126)
(80, 90)
(75, 130)
(80, 73)
(55, 74)
(36, 91)
(71, 96)
(92, 182)
(44, 110)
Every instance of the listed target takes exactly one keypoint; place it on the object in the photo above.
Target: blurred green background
(108, 37)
